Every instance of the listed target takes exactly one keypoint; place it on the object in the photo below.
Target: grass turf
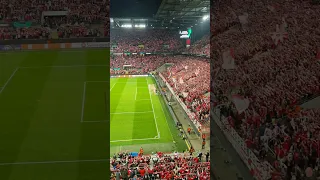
(139, 118)
(41, 133)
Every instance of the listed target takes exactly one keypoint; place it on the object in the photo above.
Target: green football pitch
(139, 118)
(54, 115)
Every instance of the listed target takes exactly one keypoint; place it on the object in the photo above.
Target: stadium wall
(194, 124)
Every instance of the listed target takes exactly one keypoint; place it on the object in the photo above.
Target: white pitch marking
(112, 86)
(127, 82)
(126, 140)
(143, 100)
(154, 116)
(53, 162)
(5, 85)
(142, 112)
(83, 100)
(135, 96)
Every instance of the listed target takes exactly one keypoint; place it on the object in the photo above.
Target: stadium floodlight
(126, 25)
(111, 20)
(140, 25)
(205, 17)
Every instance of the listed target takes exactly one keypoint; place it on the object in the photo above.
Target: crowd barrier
(260, 170)
(195, 124)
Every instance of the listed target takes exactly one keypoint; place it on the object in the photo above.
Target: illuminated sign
(185, 34)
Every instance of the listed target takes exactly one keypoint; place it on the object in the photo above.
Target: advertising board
(10, 47)
(54, 46)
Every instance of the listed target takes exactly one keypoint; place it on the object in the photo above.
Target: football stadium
(159, 90)
(50, 59)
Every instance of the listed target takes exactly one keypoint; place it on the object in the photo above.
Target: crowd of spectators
(144, 40)
(24, 33)
(201, 47)
(76, 22)
(138, 64)
(160, 166)
(190, 79)
(272, 62)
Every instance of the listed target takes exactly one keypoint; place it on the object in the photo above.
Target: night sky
(134, 8)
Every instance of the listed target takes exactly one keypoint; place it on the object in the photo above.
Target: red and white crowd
(150, 40)
(138, 64)
(201, 47)
(80, 16)
(160, 166)
(190, 79)
(266, 54)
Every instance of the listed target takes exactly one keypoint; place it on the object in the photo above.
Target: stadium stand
(265, 56)
(190, 79)
(201, 46)
(160, 166)
(153, 40)
(70, 19)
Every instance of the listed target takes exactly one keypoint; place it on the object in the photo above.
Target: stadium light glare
(140, 25)
(111, 20)
(126, 25)
(205, 17)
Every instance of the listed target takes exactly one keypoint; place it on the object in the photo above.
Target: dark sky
(134, 8)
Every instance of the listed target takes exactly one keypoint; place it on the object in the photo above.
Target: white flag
(271, 8)
(280, 34)
(185, 94)
(197, 71)
(228, 59)
(243, 19)
(240, 102)
(181, 80)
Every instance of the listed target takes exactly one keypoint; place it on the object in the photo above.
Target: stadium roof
(134, 8)
(172, 14)
(182, 12)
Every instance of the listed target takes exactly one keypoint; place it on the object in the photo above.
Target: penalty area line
(142, 112)
(5, 85)
(83, 100)
(127, 140)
